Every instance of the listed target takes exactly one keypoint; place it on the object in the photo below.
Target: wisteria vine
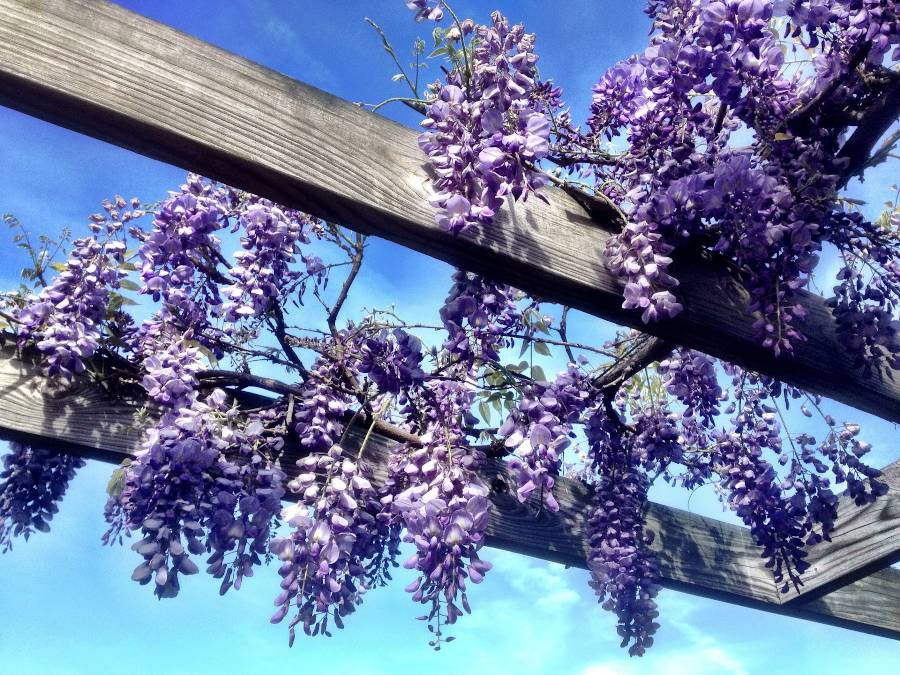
(711, 141)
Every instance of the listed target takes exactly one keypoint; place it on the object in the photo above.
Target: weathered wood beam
(864, 541)
(696, 554)
(97, 68)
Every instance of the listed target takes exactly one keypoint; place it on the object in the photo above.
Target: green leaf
(129, 285)
(440, 51)
(537, 373)
(542, 348)
(485, 411)
(117, 480)
(524, 348)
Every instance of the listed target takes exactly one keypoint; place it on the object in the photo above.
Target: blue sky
(67, 604)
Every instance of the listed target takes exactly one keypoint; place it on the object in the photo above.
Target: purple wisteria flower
(623, 568)
(335, 552)
(539, 430)
(65, 319)
(32, 483)
(479, 315)
(392, 359)
(270, 245)
(426, 9)
(486, 130)
(180, 253)
(440, 501)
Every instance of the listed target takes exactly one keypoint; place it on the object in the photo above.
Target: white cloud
(696, 654)
(688, 661)
(547, 584)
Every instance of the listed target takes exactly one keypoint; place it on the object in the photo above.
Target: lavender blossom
(485, 130)
(539, 430)
(32, 483)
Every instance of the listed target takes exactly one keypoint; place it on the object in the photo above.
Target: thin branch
(874, 124)
(720, 121)
(225, 377)
(803, 115)
(417, 104)
(356, 261)
(882, 154)
(281, 335)
(563, 336)
(645, 350)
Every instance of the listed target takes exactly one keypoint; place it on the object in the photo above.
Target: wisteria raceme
(64, 320)
(319, 414)
(270, 244)
(871, 24)
(787, 514)
(167, 494)
(326, 561)
(392, 359)
(539, 430)
(775, 522)
(691, 378)
(442, 504)
(480, 316)
(170, 370)
(181, 251)
(485, 130)
(867, 297)
(250, 486)
(623, 569)
(32, 483)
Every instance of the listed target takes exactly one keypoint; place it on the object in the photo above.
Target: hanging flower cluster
(623, 568)
(32, 483)
(486, 129)
(443, 506)
(541, 428)
(182, 245)
(786, 514)
(324, 560)
(65, 320)
(480, 317)
(270, 244)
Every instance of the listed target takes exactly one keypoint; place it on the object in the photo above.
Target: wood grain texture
(871, 604)
(864, 540)
(99, 69)
(696, 554)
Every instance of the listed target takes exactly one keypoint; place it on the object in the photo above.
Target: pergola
(99, 69)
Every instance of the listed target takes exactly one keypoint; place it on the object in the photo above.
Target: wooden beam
(871, 605)
(97, 68)
(696, 554)
(865, 540)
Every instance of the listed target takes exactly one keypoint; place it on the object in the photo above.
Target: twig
(872, 126)
(281, 334)
(356, 263)
(563, 336)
